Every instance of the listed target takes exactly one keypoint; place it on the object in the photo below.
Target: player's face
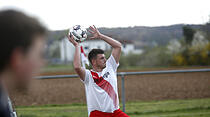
(101, 61)
(28, 64)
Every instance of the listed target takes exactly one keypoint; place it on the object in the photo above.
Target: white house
(91, 44)
(67, 49)
(128, 48)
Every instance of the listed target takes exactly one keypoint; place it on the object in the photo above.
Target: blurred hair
(93, 54)
(17, 30)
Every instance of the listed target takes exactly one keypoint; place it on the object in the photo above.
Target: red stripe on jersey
(82, 51)
(106, 86)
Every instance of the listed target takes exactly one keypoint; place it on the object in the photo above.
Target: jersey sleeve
(87, 75)
(112, 62)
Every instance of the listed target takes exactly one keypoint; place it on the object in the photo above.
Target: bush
(157, 56)
(193, 56)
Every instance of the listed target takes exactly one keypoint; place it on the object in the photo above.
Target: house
(67, 49)
(128, 47)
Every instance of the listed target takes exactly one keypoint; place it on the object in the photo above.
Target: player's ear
(16, 59)
(93, 61)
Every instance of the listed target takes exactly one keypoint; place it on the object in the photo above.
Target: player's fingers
(67, 36)
(70, 38)
(90, 31)
(95, 27)
(72, 41)
(91, 28)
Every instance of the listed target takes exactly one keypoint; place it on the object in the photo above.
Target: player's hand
(71, 39)
(94, 31)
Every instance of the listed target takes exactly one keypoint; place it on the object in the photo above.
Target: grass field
(168, 108)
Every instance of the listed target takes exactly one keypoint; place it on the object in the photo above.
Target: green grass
(168, 108)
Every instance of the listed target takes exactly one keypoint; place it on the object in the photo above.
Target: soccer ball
(78, 32)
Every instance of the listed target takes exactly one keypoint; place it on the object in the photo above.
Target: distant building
(128, 47)
(91, 44)
(67, 49)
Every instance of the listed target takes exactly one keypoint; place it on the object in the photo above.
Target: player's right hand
(71, 39)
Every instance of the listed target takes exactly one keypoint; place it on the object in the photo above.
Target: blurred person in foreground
(101, 81)
(22, 40)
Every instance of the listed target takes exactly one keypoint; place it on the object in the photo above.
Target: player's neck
(97, 69)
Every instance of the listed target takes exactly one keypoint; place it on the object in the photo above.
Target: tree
(188, 33)
(206, 28)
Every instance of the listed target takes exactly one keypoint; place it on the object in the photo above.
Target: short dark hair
(17, 30)
(93, 54)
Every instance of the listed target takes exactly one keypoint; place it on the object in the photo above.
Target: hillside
(143, 36)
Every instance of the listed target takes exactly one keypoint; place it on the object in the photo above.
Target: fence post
(123, 90)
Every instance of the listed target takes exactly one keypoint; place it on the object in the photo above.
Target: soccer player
(101, 81)
(21, 54)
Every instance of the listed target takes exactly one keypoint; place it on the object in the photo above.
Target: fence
(123, 74)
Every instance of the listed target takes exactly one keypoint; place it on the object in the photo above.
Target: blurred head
(21, 46)
(97, 58)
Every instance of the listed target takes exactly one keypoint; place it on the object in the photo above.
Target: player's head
(21, 46)
(97, 58)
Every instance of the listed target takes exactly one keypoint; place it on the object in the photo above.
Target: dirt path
(144, 87)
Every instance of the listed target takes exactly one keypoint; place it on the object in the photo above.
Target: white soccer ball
(78, 32)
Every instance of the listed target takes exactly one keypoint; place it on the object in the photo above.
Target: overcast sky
(62, 14)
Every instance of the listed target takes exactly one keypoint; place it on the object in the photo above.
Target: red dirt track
(141, 87)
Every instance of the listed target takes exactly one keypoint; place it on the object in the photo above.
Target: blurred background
(175, 33)
(156, 35)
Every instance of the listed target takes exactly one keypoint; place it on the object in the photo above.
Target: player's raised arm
(77, 64)
(116, 45)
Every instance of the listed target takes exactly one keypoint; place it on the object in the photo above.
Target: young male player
(21, 53)
(101, 81)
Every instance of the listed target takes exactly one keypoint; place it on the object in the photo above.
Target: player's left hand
(94, 31)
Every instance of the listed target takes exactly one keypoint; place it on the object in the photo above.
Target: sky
(62, 14)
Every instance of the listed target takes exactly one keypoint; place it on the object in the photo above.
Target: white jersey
(101, 88)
